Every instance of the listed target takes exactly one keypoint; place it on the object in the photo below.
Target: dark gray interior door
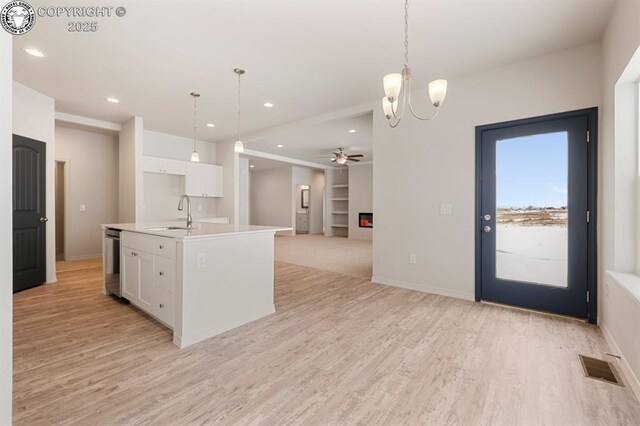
(29, 213)
(536, 213)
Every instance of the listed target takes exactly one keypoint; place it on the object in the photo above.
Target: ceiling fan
(342, 158)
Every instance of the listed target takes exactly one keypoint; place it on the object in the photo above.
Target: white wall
(618, 180)
(6, 231)
(130, 183)
(244, 192)
(91, 172)
(169, 146)
(229, 205)
(34, 117)
(360, 199)
(271, 197)
(438, 165)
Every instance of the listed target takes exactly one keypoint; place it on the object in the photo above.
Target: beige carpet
(342, 255)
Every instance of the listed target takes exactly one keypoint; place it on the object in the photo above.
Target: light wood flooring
(339, 350)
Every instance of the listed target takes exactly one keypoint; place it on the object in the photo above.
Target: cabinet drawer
(164, 247)
(164, 273)
(163, 306)
(136, 241)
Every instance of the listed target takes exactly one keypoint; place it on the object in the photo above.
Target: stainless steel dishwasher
(112, 262)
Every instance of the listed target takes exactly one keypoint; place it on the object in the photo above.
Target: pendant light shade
(392, 84)
(437, 92)
(239, 146)
(195, 157)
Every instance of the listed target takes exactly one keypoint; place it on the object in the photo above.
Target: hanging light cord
(195, 125)
(406, 33)
(238, 105)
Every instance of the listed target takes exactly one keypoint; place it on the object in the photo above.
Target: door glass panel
(531, 209)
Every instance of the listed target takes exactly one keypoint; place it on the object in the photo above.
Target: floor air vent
(600, 370)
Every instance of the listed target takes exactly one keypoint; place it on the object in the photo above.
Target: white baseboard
(424, 288)
(184, 341)
(631, 379)
(82, 257)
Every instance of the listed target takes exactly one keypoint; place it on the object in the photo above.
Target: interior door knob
(487, 229)
(44, 219)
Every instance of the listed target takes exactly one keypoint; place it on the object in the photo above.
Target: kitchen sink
(167, 228)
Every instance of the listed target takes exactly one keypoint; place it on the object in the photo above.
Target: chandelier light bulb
(437, 92)
(341, 160)
(392, 85)
(387, 107)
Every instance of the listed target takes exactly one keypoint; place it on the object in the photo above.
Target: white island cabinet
(199, 282)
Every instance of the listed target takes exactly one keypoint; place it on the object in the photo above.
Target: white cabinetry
(203, 180)
(148, 274)
(164, 165)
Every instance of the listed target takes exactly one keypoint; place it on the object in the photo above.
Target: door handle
(486, 229)
(44, 219)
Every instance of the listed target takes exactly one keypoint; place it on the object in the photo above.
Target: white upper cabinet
(203, 180)
(164, 165)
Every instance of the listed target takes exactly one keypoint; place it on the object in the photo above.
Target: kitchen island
(199, 282)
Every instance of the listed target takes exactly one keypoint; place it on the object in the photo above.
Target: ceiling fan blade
(333, 160)
(355, 155)
(353, 159)
(335, 153)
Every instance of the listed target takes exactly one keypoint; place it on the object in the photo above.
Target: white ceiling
(307, 57)
(264, 164)
(315, 143)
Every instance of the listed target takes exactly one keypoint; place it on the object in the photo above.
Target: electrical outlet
(202, 260)
(412, 259)
(446, 208)
(83, 208)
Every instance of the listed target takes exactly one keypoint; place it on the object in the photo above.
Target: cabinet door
(129, 274)
(151, 164)
(212, 181)
(145, 282)
(193, 180)
(173, 167)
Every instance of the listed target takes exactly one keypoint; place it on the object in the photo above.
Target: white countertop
(199, 231)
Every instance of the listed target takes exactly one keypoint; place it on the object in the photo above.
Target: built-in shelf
(340, 185)
(340, 199)
(339, 225)
(339, 212)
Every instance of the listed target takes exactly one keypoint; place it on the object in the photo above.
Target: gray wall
(271, 197)
(360, 199)
(91, 162)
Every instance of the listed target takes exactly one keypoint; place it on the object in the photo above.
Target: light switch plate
(83, 207)
(199, 208)
(413, 259)
(446, 208)
(202, 260)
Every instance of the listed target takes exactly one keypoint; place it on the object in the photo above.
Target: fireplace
(365, 220)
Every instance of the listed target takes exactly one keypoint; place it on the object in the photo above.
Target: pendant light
(195, 158)
(396, 83)
(239, 146)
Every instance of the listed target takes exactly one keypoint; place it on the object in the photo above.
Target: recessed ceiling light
(352, 131)
(113, 100)
(211, 125)
(33, 52)
(252, 166)
(279, 146)
(268, 105)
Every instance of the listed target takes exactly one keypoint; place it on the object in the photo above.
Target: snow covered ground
(532, 253)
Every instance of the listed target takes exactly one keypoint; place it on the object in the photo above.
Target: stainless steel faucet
(189, 219)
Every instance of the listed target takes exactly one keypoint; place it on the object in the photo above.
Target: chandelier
(396, 83)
